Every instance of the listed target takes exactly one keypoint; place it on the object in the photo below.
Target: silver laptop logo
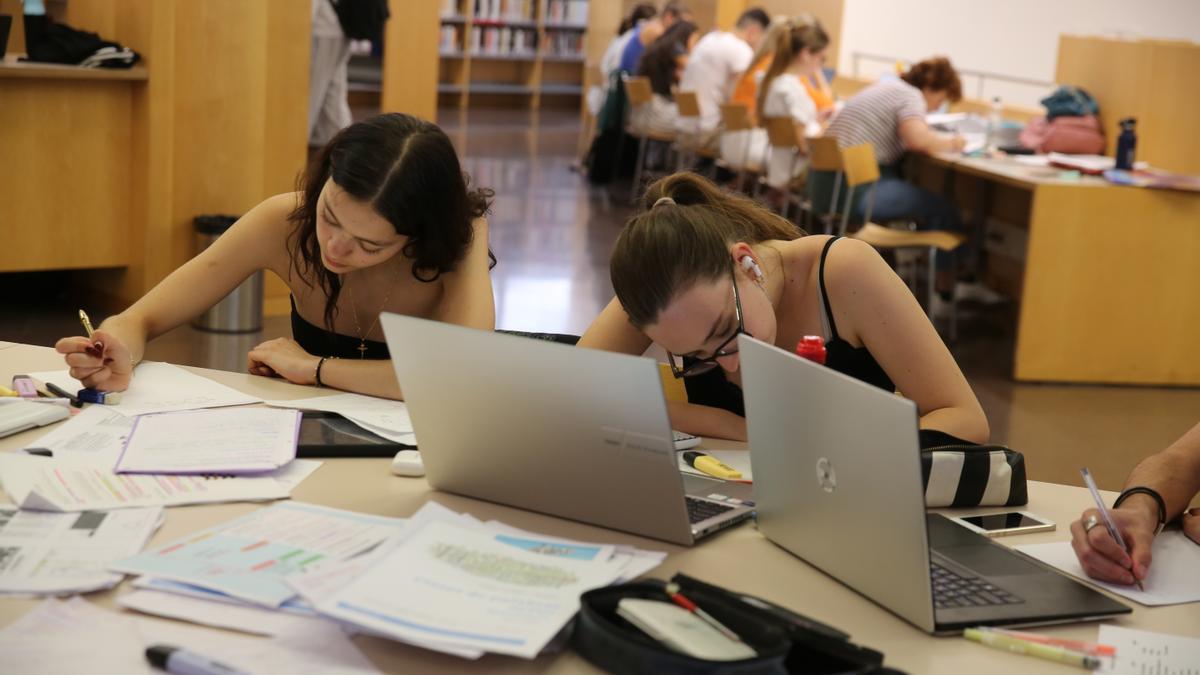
(825, 475)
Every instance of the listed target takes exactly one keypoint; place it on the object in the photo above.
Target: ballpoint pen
(87, 326)
(1108, 521)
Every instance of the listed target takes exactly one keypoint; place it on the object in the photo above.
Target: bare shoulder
(851, 261)
(266, 229)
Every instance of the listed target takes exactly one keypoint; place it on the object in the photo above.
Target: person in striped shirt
(890, 115)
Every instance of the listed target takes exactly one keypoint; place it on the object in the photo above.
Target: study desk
(739, 558)
(1106, 275)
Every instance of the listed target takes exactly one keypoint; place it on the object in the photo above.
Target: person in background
(611, 61)
(700, 266)
(1157, 492)
(662, 64)
(797, 58)
(746, 90)
(890, 115)
(714, 66)
(648, 31)
(384, 221)
(328, 106)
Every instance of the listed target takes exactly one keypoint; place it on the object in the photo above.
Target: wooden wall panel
(410, 63)
(66, 196)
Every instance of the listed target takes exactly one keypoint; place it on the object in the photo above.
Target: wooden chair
(639, 94)
(861, 169)
(825, 155)
(735, 118)
(592, 78)
(781, 135)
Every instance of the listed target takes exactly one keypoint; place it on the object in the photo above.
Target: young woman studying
(701, 266)
(798, 57)
(384, 221)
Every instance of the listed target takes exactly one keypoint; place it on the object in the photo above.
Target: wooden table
(739, 558)
(1107, 278)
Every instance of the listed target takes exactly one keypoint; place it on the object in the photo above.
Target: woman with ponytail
(798, 57)
(700, 266)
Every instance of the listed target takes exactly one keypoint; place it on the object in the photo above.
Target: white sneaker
(977, 293)
(940, 309)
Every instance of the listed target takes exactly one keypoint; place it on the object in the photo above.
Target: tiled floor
(553, 235)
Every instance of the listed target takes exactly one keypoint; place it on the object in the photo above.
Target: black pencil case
(786, 642)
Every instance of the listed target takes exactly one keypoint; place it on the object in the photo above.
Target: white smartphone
(1004, 524)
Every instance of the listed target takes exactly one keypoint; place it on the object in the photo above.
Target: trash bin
(241, 310)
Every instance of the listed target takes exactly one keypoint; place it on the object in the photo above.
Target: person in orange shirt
(746, 91)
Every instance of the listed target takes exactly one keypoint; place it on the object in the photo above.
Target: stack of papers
(63, 553)
(456, 585)
(80, 482)
(100, 641)
(1140, 652)
(161, 387)
(229, 441)
(380, 416)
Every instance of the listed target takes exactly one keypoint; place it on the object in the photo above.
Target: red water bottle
(812, 347)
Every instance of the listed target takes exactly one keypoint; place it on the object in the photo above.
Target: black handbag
(786, 642)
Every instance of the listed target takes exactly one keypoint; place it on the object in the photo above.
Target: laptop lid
(836, 477)
(576, 433)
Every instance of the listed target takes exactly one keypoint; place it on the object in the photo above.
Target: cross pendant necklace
(362, 337)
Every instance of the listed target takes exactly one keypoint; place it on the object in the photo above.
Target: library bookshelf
(512, 52)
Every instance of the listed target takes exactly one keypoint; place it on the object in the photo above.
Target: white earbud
(748, 263)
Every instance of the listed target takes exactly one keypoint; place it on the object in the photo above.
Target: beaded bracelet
(317, 373)
(1140, 489)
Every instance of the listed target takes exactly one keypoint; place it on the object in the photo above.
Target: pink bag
(1068, 134)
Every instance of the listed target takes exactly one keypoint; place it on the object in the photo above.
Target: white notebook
(681, 630)
(18, 414)
(221, 440)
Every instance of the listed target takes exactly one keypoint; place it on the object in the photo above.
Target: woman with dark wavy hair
(384, 220)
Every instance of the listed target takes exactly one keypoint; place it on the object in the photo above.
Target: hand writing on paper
(283, 357)
(109, 369)
(1102, 558)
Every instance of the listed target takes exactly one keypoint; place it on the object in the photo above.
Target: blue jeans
(898, 199)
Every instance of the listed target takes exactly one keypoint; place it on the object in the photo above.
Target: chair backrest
(859, 164)
(824, 154)
(687, 104)
(736, 117)
(781, 132)
(637, 90)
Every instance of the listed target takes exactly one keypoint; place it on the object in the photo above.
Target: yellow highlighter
(711, 465)
(1008, 643)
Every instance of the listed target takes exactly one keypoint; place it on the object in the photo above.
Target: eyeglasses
(691, 366)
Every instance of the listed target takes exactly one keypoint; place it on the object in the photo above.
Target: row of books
(571, 12)
(510, 41)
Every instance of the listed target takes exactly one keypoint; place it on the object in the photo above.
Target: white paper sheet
(79, 484)
(239, 617)
(464, 585)
(1174, 570)
(248, 557)
(96, 431)
(60, 553)
(74, 636)
(234, 440)
(380, 416)
(738, 459)
(1141, 652)
(161, 387)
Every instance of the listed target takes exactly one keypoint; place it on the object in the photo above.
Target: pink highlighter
(24, 386)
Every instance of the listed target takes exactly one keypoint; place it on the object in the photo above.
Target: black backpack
(50, 42)
(361, 19)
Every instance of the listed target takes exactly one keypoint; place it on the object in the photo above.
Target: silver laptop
(576, 433)
(837, 478)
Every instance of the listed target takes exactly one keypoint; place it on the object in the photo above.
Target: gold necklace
(362, 337)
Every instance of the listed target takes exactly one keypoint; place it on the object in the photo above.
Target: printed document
(234, 440)
(80, 484)
(161, 387)
(60, 553)
(97, 431)
(1141, 652)
(380, 416)
(248, 557)
(1173, 577)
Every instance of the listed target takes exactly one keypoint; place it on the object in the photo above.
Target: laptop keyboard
(700, 509)
(953, 590)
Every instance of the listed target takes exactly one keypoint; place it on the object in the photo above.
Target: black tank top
(320, 342)
(712, 389)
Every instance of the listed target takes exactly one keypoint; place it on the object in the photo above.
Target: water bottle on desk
(1127, 144)
(995, 119)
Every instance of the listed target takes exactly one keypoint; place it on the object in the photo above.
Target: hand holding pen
(1100, 542)
(100, 360)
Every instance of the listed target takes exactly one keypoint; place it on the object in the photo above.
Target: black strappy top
(320, 342)
(712, 389)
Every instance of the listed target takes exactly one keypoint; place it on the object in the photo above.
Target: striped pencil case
(973, 475)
